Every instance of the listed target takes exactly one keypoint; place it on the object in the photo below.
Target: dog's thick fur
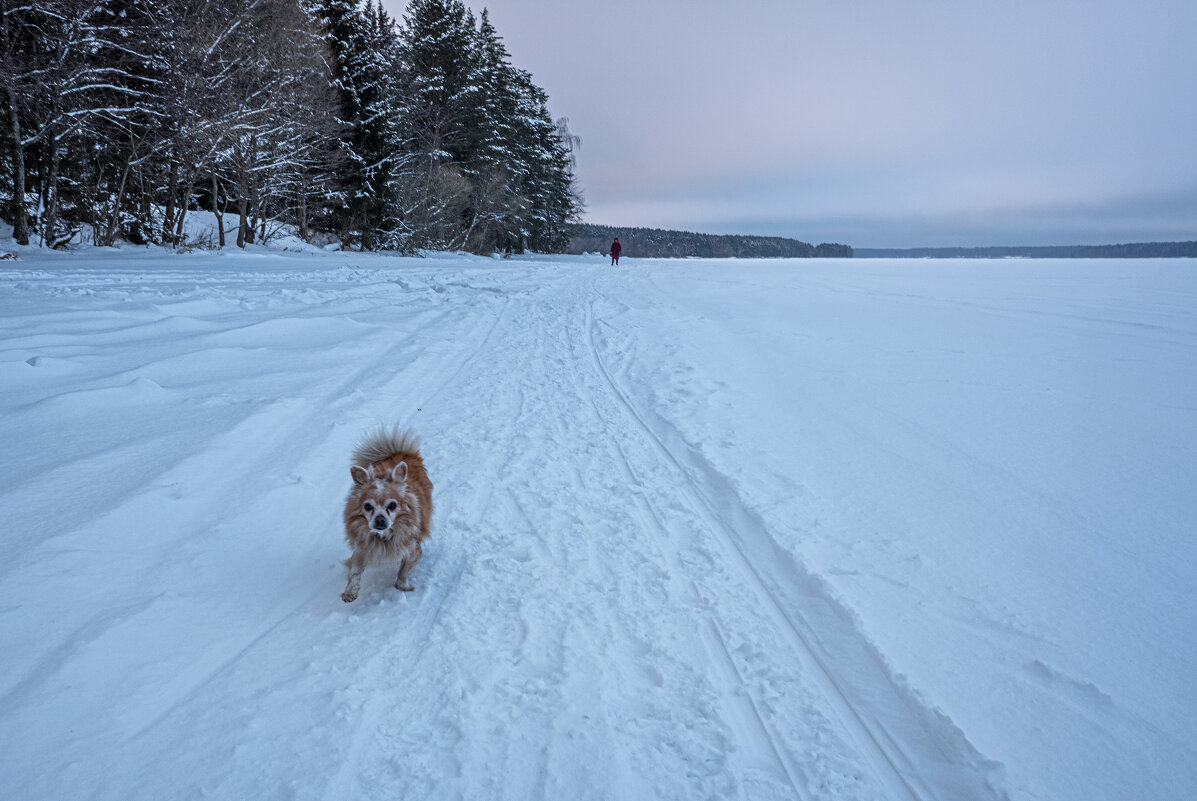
(389, 509)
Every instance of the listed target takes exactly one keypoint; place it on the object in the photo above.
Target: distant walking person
(616, 248)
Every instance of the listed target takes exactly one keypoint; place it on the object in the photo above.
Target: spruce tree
(358, 39)
(543, 157)
(438, 52)
(440, 87)
(492, 214)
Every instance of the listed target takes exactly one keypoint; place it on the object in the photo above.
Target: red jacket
(615, 248)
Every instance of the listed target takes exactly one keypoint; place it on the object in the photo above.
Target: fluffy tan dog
(389, 508)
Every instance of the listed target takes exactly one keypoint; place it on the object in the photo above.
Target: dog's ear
(360, 474)
(399, 473)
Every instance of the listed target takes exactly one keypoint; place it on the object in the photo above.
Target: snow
(704, 529)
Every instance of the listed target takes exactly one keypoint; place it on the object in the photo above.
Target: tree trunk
(244, 232)
(301, 212)
(243, 224)
(168, 220)
(49, 235)
(261, 213)
(114, 221)
(251, 162)
(239, 163)
(179, 239)
(146, 200)
(251, 233)
(216, 207)
(20, 223)
(224, 210)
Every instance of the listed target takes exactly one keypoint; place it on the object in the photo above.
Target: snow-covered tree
(64, 64)
(127, 116)
(277, 109)
(544, 154)
(363, 46)
(23, 37)
(482, 129)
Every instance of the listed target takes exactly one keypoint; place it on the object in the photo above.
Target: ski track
(541, 639)
(700, 502)
(764, 568)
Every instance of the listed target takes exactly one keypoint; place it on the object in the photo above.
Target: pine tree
(385, 133)
(437, 50)
(544, 155)
(439, 85)
(494, 208)
(362, 40)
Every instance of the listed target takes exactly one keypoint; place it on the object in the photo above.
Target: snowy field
(705, 529)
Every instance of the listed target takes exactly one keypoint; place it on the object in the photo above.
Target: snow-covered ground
(704, 529)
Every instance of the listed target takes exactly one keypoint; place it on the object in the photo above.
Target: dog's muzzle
(380, 524)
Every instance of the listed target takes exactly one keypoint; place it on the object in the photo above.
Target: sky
(875, 123)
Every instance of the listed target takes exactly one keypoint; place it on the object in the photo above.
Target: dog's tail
(385, 441)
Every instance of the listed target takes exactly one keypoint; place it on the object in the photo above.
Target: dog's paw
(348, 597)
(404, 587)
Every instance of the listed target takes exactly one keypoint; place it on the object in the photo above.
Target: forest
(325, 117)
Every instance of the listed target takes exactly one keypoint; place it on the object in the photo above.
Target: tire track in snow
(896, 734)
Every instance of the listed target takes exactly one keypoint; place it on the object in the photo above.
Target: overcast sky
(875, 123)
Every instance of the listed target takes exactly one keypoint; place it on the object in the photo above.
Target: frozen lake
(842, 529)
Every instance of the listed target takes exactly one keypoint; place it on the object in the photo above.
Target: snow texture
(705, 529)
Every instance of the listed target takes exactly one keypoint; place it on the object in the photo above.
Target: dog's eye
(369, 507)
(392, 506)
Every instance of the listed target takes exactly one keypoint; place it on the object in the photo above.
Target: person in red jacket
(615, 250)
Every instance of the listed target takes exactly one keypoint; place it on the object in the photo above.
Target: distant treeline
(1140, 250)
(656, 243)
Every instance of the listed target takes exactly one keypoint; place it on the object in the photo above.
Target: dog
(389, 509)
